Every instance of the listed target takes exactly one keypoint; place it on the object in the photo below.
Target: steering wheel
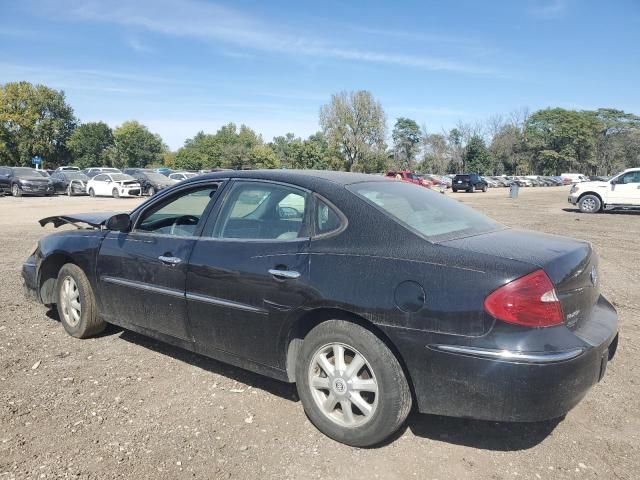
(183, 220)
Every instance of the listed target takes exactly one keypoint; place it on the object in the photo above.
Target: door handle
(284, 273)
(169, 260)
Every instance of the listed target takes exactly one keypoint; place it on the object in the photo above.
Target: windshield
(25, 172)
(119, 177)
(156, 177)
(75, 175)
(429, 214)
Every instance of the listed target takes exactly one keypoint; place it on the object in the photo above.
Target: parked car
(21, 181)
(179, 176)
(67, 168)
(409, 177)
(575, 177)
(70, 182)
(42, 173)
(93, 171)
(469, 182)
(469, 318)
(114, 185)
(150, 181)
(164, 171)
(621, 192)
(491, 183)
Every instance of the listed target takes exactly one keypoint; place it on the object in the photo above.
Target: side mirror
(614, 181)
(119, 223)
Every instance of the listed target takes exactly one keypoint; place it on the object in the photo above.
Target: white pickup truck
(622, 191)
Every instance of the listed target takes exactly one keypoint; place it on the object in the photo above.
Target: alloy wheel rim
(343, 385)
(589, 204)
(70, 300)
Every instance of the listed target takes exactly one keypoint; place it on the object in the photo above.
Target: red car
(410, 177)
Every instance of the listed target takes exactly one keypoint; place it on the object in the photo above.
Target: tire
(454, 190)
(73, 286)
(69, 192)
(15, 190)
(387, 409)
(151, 192)
(92, 192)
(115, 193)
(590, 204)
(484, 189)
(472, 189)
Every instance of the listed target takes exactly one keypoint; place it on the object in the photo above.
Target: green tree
(136, 146)
(615, 133)
(355, 126)
(263, 156)
(562, 140)
(88, 144)
(201, 151)
(477, 158)
(406, 140)
(34, 120)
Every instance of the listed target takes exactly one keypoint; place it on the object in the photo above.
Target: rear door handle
(169, 260)
(284, 273)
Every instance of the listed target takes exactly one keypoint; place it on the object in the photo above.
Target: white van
(575, 177)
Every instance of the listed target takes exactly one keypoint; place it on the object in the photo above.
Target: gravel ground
(123, 406)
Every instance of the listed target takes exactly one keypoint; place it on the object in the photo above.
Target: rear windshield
(427, 213)
(462, 177)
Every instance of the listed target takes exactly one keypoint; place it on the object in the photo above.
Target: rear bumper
(506, 384)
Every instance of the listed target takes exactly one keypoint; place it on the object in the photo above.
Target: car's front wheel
(77, 304)
(352, 386)
(590, 204)
(15, 190)
(115, 193)
(151, 191)
(92, 192)
(484, 189)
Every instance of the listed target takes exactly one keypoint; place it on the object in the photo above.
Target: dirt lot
(122, 406)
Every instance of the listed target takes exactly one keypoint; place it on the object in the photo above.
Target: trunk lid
(570, 264)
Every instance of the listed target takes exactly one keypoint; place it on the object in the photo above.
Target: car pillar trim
(509, 355)
(224, 303)
(143, 286)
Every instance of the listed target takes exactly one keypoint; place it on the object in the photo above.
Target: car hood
(93, 219)
(594, 184)
(38, 179)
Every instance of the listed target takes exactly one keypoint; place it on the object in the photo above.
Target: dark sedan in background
(70, 182)
(150, 181)
(372, 295)
(24, 181)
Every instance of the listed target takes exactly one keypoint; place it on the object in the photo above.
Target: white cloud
(139, 46)
(211, 22)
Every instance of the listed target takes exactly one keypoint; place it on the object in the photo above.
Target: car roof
(304, 178)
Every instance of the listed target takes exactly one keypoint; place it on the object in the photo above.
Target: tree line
(37, 120)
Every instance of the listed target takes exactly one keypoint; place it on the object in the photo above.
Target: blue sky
(181, 66)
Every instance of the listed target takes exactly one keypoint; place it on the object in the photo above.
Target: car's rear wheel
(69, 191)
(590, 204)
(151, 191)
(76, 303)
(484, 189)
(454, 190)
(115, 193)
(92, 192)
(352, 386)
(473, 189)
(15, 190)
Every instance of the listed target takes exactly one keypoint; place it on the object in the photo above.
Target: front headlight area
(574, 188)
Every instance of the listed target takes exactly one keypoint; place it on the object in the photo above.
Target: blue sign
(36, 160)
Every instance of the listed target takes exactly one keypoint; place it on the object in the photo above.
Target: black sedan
(70, 182)
(150, 181)
(372, 295)
(21, 181)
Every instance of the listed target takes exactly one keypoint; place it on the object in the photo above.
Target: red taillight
(530, 300)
